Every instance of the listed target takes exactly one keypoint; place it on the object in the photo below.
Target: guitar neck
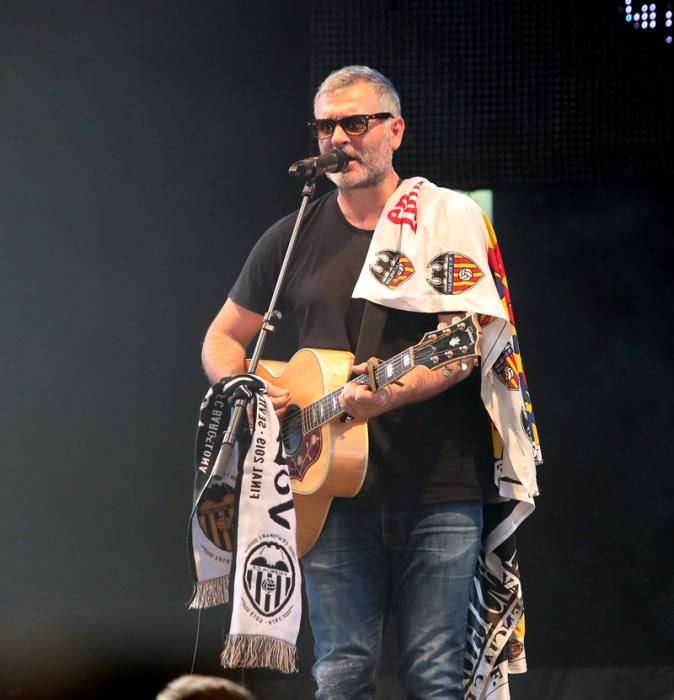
(327, 407)
(437, 348)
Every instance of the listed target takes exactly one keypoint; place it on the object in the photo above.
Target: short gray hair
(389, 101)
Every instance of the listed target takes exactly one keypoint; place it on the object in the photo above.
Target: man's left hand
(359, 402)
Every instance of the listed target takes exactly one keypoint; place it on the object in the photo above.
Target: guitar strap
(371, 328)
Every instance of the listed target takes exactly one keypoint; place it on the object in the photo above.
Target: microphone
(332, 162)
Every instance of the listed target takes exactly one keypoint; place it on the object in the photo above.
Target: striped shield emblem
(216, 515)
(453, 273)
(269, 578)
(391, 268)
(506, 369)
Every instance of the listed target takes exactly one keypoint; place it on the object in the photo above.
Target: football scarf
(434, 250)
(254, 547)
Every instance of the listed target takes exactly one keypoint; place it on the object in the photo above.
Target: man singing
(408, 543)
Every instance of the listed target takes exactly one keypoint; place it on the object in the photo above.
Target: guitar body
(330, 460)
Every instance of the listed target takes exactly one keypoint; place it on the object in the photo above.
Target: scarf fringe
(257, 651)
(208, 594)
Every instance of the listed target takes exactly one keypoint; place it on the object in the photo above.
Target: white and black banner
(267, 600)
(252, 530)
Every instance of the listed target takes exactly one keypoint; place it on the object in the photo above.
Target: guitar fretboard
(327, 407)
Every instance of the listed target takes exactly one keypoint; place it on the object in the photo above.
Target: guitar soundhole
(291, 432)
(301, 450)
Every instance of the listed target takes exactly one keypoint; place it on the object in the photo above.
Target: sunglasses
(355, 125)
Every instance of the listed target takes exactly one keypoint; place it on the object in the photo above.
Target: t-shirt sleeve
(255, 284)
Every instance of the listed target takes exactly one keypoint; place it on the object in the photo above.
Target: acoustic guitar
(326, 452)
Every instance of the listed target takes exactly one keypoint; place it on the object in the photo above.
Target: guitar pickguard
(307, 454)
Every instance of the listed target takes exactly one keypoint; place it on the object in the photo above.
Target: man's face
(371, 152)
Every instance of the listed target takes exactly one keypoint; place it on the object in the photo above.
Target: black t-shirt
(434, 451)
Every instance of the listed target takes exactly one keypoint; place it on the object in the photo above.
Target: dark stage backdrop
(511, 93)
(143, 149)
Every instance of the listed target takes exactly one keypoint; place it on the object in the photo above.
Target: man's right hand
(279, 399)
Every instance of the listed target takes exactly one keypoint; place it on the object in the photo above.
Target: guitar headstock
(449, 343)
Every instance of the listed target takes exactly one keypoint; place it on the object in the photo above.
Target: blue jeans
(414, 561)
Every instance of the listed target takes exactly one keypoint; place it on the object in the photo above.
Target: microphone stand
(241, 400)
(310, 169)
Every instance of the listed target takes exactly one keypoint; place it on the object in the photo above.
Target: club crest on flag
(216, 514)
(506, 369)
(515, 649)
(453, 273)
(269, 577)
(392, 268)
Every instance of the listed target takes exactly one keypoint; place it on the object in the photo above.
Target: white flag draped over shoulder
(434, 251)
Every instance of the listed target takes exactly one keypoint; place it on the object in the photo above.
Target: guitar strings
(384, 373)
(311, 412)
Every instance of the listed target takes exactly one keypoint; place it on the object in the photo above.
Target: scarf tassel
(208, 594)
(257, 651)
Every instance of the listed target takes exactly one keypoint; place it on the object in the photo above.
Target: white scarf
(266, 599)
